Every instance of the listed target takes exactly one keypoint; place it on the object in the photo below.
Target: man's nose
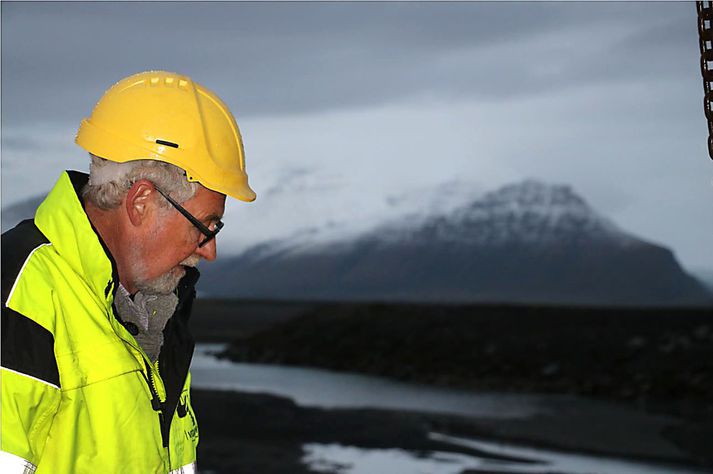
(208, 251)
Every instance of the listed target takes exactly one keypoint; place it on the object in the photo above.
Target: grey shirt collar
(149, 313)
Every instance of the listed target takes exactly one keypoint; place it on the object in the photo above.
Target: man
(97, 289)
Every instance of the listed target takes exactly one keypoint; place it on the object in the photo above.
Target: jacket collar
(61, 218)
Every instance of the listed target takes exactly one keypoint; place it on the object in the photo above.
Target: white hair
(109, 181)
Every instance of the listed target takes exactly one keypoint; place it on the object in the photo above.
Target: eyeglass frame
(209, 234)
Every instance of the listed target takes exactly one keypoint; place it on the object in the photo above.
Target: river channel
(310, 387)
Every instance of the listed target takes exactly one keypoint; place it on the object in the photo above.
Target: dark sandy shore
(636, 355)
(257, 433)
(650, 370)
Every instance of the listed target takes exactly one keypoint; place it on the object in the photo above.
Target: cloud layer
(355, 112)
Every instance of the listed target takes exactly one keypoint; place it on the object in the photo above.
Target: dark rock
(525, 243)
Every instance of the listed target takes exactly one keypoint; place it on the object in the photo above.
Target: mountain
(527, 242)
(13, 214)
(705, 276)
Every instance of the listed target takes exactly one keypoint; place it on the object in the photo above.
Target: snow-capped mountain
(525, 242)
(529, 212)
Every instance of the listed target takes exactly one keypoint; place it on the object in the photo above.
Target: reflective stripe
(187, 469)
(31, 377)
(11, 464)
(17, 278)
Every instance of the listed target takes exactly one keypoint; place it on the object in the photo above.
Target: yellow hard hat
(159, 115)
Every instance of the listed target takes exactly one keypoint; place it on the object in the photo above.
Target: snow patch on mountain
(529, 212)
(328, 224)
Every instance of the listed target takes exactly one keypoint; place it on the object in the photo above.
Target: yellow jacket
(79, 395)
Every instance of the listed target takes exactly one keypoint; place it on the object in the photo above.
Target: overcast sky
(353, 113)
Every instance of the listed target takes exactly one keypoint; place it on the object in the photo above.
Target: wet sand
(257, 433)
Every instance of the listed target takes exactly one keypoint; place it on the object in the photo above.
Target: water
(333, 458)
(327, 389)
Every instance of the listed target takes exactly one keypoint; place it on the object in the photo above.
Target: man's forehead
(207, 204)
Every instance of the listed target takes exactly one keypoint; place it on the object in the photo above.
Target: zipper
(158, 406)
(156, 403)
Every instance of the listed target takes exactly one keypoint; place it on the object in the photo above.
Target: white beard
(166, 283)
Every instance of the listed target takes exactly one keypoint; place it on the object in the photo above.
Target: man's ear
(138, 201)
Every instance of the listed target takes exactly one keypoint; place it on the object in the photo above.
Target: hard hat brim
(105, 144)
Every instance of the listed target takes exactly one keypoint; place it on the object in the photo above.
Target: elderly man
(97, 289)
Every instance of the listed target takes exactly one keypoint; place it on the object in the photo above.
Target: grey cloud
(279, 58)
(299, 179)
(660, 49)
(13, 143)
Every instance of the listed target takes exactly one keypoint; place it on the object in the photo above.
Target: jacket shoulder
(18, 244)
(27, 346)
(27, 286)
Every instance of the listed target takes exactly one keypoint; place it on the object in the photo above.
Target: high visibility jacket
(79, 395)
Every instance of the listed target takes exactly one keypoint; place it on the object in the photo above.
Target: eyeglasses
(209, 234)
